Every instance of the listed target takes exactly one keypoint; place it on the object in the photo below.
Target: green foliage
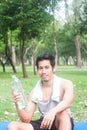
(30, 18)
(65, 41)
(33, 19)
(83, 19)
(2, 47)
(84, 46)
(79, 17)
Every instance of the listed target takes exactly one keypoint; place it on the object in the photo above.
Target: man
(53, 96)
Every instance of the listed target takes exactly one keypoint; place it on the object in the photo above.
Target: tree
(73, 20)
(29, 17)
(4, 20)
(77, 9)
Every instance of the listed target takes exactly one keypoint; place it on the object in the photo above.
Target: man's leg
(20, 126)
(63, 121)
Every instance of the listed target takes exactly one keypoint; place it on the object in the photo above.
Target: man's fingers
(17, 97)
(50, 124)
(46, 124)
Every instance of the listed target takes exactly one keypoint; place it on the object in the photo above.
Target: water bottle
(17, 87)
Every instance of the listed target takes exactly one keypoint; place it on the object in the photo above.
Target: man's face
(45, 70)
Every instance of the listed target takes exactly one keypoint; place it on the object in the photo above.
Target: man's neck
(48, 83)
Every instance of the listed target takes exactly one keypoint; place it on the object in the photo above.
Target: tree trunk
(56, 52)
(53, 33)
(78, 51)
(22, 57)
(33, 56)
(8, 55)
(34, 66)
(54, 43)
(3, 65)
(66, 60)
(13, 54)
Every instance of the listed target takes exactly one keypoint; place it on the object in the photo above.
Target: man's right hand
(16, 96)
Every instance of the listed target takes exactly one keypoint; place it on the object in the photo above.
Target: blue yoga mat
(77, 125)
(80, 125)
(3, 125)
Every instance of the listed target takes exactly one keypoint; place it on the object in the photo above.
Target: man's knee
(62, 116)
(12, 125)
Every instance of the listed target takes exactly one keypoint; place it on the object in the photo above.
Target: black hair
(46, 56)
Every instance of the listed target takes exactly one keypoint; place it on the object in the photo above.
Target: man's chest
(46, 93)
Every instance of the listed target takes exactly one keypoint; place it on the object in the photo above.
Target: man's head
(45, 66)
(46, 56)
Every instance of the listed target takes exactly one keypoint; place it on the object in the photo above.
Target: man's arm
(27, 113)
(67, 97)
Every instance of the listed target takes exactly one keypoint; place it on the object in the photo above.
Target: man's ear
(54, 69)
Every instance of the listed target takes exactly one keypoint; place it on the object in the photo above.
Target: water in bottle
(18, 88)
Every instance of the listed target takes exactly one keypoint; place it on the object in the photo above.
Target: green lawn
(78, 77)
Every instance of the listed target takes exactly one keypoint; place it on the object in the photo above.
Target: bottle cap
(15, 78)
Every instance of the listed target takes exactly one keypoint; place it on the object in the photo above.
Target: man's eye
(47, 67)
(40, 68)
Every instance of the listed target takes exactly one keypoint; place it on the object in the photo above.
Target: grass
(77, 76)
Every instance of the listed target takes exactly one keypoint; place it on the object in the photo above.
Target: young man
(53, 96)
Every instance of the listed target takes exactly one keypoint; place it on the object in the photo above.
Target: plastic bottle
(17, 87)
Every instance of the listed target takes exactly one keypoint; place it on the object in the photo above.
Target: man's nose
(44, 70)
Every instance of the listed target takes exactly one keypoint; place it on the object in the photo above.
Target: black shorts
(36, 124)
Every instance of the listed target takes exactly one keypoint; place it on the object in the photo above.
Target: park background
(31, 27)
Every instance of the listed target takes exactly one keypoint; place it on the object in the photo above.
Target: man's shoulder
(57, 77)
(61, 78)
(66, 83)
(63, 81)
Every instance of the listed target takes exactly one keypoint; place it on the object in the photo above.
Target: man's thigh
(37, 123)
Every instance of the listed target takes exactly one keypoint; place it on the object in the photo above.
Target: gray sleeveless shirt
(45, 106)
